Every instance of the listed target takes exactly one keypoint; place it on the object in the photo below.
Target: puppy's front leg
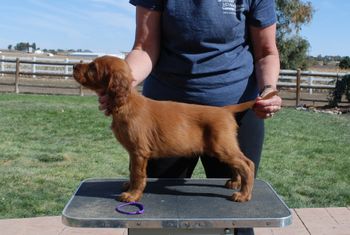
(137, 184)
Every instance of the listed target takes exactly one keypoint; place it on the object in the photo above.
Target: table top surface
(176, 203)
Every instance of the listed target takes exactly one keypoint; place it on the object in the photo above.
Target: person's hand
(266, 106)
(103, 99)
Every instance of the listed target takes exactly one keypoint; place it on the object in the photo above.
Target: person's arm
(145, 52)
(267, 68)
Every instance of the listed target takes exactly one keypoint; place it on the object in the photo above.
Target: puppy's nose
(75, 66)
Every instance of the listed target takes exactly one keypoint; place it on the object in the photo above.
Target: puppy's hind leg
(244, 169)
(234, 182)
(137, 183)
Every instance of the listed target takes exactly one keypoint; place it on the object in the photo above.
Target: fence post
(2, 65)
(81, 91)
(34, 66)
(17, 76)
(311, 81)
(298, 81)
(66, 68)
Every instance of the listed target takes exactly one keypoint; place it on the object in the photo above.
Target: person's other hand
(266, 108)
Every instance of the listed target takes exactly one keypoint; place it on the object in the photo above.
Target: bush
(342, 87)
(345, 63)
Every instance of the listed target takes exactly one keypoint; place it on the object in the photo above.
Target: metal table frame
(176, 206)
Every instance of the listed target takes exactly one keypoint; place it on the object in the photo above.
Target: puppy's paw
(129, 197)
(239, 197)
(233, 184)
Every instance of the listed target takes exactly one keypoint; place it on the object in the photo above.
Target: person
(209, 52)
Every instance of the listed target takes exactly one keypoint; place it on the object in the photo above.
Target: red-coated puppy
(154, 129)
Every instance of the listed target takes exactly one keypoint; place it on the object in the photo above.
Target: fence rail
(41, 67)
(309, 81)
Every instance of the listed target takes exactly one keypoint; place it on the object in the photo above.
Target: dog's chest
(127, 133)
(120, 130)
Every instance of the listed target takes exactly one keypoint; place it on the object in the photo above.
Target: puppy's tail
(249, 104)
(240, 107)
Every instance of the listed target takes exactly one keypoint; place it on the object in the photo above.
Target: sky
(107, 26)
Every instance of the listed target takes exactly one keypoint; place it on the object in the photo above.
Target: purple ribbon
(135, 204)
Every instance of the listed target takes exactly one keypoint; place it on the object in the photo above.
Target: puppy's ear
(119, 87)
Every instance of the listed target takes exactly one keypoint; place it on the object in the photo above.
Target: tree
(345, 63)
(293, 53)
(291, 15)
(22, 46)
(9, 47)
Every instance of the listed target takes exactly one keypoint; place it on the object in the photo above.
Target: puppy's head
(105, 75)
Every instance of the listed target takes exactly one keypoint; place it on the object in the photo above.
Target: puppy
(154, 129)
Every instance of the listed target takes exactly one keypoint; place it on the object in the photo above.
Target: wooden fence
(34, 68)
(295, 81)
(308, 82)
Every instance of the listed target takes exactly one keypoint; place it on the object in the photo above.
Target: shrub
(342, 87)
(345, 63)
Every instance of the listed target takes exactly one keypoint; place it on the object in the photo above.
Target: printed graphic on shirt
(232, 7)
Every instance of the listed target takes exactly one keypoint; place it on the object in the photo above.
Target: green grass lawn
(48, 144)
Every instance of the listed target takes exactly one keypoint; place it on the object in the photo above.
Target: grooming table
(176, 206)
